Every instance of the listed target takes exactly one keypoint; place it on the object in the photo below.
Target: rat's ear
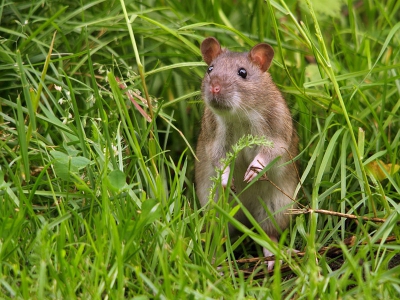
(210, 49)
(262, 55)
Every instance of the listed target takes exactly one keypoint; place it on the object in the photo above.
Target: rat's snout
(215, 88)
(215, 94)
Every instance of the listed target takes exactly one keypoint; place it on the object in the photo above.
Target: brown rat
(241, 99)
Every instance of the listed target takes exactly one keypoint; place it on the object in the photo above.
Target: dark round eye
(242, 73)
(210, 68)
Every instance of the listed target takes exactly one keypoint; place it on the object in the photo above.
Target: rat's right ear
(210, 49)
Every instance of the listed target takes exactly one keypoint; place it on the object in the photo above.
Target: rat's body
(241, 99)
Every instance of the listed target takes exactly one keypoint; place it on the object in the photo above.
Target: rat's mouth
(219, 104)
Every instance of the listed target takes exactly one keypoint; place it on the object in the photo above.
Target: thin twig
(277, 187)
(264, 177)
(334, 213)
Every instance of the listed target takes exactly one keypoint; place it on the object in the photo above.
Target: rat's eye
(210, 68)
(242, 73)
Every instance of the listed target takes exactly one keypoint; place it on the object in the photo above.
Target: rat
(241, 99)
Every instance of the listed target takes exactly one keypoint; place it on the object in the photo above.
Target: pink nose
(215, 88)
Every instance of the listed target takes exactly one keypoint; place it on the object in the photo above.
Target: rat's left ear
(262, 55)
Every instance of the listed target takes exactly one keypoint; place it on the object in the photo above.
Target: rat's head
(234, 80)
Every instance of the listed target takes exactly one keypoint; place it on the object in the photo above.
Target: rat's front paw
(256, 166)
(251, 173)
(253, 170)
(225, 179)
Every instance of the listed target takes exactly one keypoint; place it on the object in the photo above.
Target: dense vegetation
(100, 110)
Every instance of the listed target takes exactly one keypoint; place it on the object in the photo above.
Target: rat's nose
(215, 88)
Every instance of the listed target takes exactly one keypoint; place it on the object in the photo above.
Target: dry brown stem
(306, 210)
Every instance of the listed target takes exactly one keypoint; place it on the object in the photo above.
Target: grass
(100, 110)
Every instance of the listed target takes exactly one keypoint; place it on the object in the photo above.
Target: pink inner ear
(209, 55)
(260, 60)
(262, 55)
(210, 49)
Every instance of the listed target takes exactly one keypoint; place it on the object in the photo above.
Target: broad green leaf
(116, 180)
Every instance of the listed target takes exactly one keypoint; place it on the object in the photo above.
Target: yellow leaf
(374, 168)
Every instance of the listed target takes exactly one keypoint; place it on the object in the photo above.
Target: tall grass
(100, 110)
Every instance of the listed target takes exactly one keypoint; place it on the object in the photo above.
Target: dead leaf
(375, 170)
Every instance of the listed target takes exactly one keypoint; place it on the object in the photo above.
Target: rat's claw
(252, 172)
(233, 187)
(250, 175)
(271, 263)
(255, 167)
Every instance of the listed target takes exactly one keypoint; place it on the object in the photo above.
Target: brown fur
(235, 107)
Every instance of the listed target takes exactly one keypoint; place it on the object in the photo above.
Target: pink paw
(253, 170)
(271, 263)
(225, 177)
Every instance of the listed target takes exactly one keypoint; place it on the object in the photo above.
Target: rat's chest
(228, 134)
(247, 153)
(234, 129)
